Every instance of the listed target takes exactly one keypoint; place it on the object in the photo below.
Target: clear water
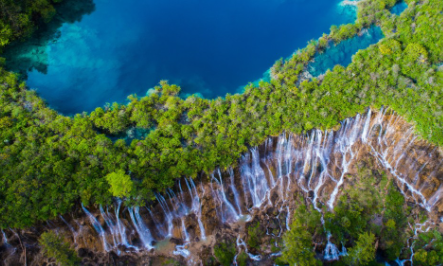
(210, 47)
(399, 8)
(341, 54)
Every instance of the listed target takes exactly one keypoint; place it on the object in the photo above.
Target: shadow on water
(341, 54)
(31, 54)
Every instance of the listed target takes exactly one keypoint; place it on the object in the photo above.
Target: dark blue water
(341, 54)
(399, 8)
(210, 47)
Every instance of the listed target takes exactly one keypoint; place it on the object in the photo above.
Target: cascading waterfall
(167, 212)
(98, 228)
(332, 252)
(196, 206)
(288, 218)
(234, 191)
(116, 228)
(179, 208)
(142, 230)
(316, 164)
(387, 155)
(120, 228)
(418, 228)
(253, 178)
(345, 146)
(161, 229)
(71, 228)
(110, 226)
(240, 243)
(7, 250)
(5, 238)
(226, 209)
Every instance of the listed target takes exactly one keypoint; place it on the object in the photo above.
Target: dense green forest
(50, 162)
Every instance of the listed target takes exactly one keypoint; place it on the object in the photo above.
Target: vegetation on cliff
(49, 162)
(370, 215)
(54, 247)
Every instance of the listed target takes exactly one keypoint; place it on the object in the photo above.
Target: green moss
(225, 253)
(242, 259)
(254, 236)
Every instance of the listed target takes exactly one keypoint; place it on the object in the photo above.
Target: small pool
(341, 54)
(399, 8)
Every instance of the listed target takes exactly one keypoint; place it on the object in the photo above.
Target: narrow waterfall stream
(187, 221)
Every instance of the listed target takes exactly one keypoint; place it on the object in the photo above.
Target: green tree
(5, 34)
(415, 50)
(121, 183)
(55, 247)
(363, 252)
(225, 253)
(298, 241)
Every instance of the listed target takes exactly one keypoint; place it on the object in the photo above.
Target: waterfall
(74, 233)
(317, 164)
(184, 231)
(283, 155)
(161, 230)
(121, 228)
(98, 228)
(181, 251)
(116, 229)
(288, 218)
(109, 224)
(418, 228)
(5, 238)
(331, 251)
(178, 205)
(345, 145)
(167, 212)
(364, 136)
(253, 178)
(196, 206)
(140, 227)
(221, 196)
(241, 243)
(234, 191)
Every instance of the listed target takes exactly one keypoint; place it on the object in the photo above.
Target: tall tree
(363, 252)
(121, 184)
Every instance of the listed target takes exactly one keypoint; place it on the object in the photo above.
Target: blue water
(399, 8)
(341, 54)
(210, 47)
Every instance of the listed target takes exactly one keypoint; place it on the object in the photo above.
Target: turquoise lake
(341, 54)
(208, 47)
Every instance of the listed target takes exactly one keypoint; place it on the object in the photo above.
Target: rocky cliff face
(248, 207)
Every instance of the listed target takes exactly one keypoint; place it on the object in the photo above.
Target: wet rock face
(249, 208)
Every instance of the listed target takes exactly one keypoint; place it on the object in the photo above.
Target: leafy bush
(54, 247)
(225, 253)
